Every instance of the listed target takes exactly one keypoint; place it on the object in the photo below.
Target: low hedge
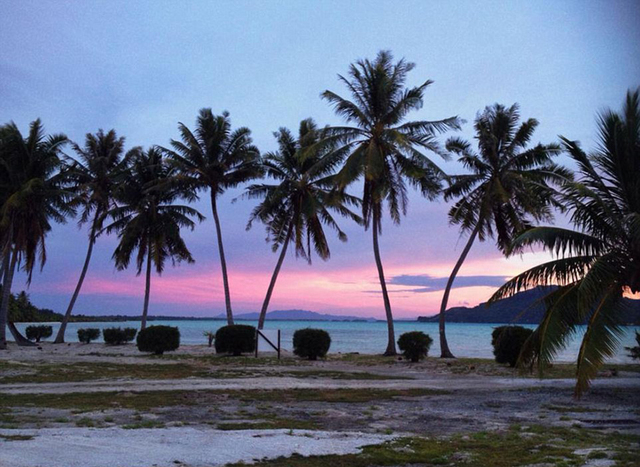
(415, 345)
(86, 335)
(158, 339)
(38, 332)
(235, 339)
(507, 342)
(118, 336)
(311, 343)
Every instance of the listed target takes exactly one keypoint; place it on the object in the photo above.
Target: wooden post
(278, 344)
(257, 332)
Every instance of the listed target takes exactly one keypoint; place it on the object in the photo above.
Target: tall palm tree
(99, 167)
(386, 151)
(598, 261)
(33, 195)
(508, 189)
(295, 209)
(147, 220)
(215, 158)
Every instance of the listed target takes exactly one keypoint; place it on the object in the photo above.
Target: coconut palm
(385, 151)
(508, 190)
(147, 221)
(599, 260)
(99, 167)
(33, 187)
(295, 209)
(215, 158)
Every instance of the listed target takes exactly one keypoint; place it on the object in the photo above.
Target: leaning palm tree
(96, 172)
(34, 194)
(508, 190)
(215, 158)
(147, 221)
(295, 209)
(598, 261)
(386, 151)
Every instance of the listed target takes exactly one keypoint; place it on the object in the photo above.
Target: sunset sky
(141, 67)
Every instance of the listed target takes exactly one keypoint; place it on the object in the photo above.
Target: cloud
(422, 283)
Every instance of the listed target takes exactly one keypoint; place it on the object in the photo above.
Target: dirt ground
(79, 391)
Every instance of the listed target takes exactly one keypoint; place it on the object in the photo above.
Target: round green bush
(507, 342)
(118, 336)
(36, 333)
(235, 339)
(158, 339)
(86, 335)
(311, 343)
(415, 345)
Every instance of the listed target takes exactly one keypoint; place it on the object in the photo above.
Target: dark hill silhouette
(523, 308)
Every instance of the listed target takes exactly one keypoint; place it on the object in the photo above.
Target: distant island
(523, 308)
(297, 315)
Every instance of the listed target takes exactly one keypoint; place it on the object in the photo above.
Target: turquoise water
(465, 339)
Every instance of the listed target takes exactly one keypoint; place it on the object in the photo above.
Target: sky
(141, 67)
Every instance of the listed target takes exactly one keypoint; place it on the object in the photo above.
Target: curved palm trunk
(65, 320)
(274, 277)
(391, 344)
(7, 280)
(444, 346)
(223, 261)
(147, 291)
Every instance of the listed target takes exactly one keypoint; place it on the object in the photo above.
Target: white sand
(169, 447)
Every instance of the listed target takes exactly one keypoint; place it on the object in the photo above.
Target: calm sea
(465, 339)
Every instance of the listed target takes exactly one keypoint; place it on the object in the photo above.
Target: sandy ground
(198, 447)
(192, 434)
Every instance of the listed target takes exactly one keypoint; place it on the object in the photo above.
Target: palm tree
(386, 151)
(598, 261)
(295, 209)
(147, 220)
(215, 158)
(507, 190)
(33, 194)
(96, 173)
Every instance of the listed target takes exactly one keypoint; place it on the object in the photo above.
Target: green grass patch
(497, 449)
(144, 424)
(15, 437)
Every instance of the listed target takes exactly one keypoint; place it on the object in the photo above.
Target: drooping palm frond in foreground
(597, 262)
(34, 194)
(96, 171)
(147, 220)
(296, 208)
(384, 150)
(507, 190)
(215, 158)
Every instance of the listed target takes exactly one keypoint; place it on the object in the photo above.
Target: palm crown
(384, 149)
(296, 208)
(599, 260)
(146, 218)
(508, 189)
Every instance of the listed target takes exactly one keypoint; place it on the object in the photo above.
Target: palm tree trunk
(65, 320)
(147, 291)
(4, 302)
(223, 261)
(391, 344)
(444, 346)
(274, 277)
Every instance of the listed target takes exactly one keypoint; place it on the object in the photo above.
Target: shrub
(158, 339)
(635, 351)
(86, 335)
(210, 335)
(235, 339)
(507, 342)
(118, 336)
(415, 345)
(311, 343)
(36, 333)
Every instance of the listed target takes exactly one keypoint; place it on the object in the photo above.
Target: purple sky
(141, 67)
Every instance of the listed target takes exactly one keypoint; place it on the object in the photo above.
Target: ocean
(465, 339)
